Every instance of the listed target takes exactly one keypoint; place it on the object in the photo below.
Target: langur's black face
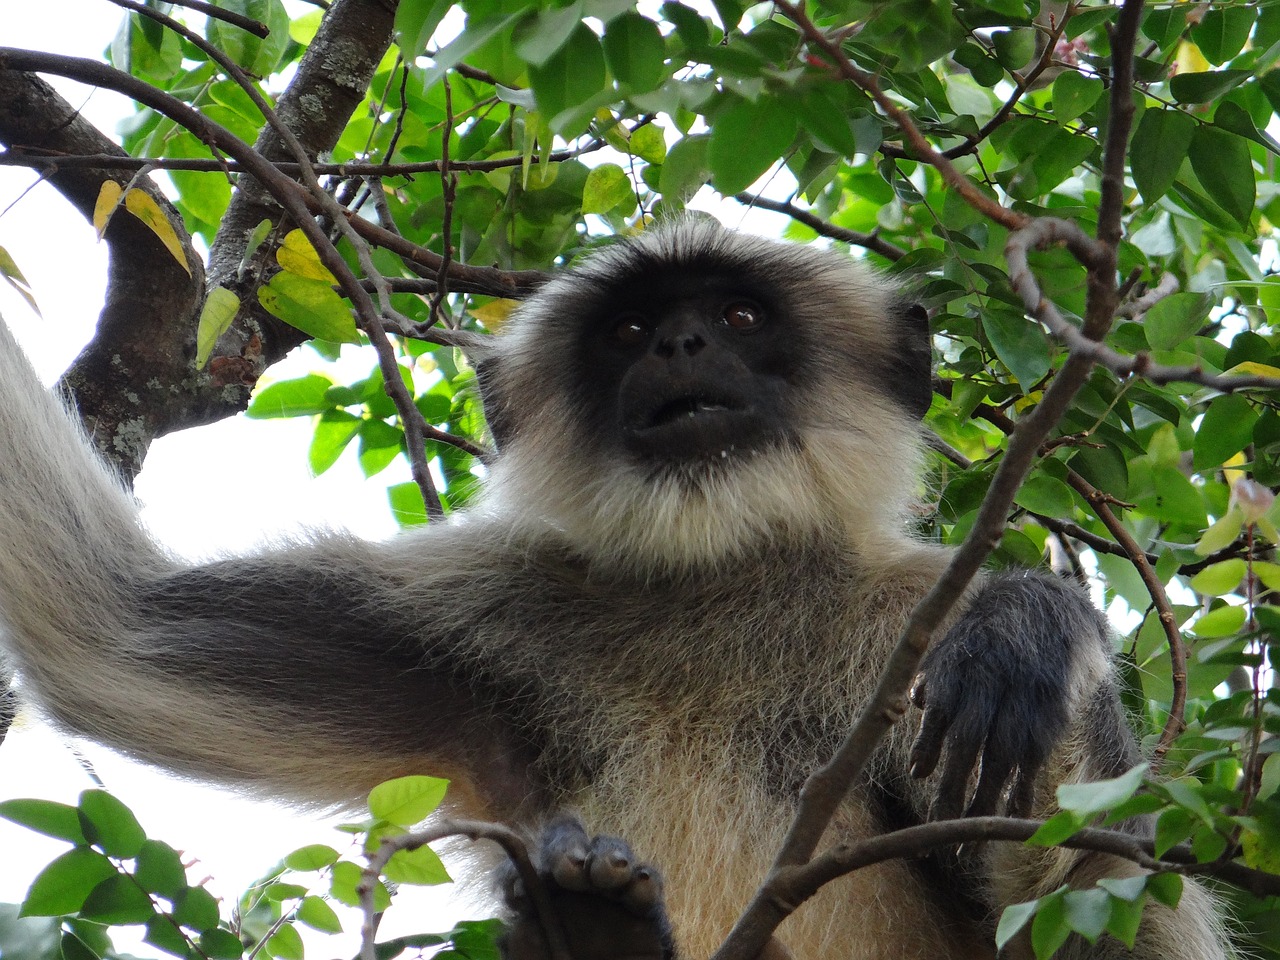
(685, 364)
(691, 347)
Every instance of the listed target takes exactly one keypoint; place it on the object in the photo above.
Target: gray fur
(669, 651)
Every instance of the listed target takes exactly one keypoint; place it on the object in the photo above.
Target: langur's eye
(632, 329)
(743, 315)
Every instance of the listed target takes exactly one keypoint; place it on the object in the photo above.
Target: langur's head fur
(684, 396)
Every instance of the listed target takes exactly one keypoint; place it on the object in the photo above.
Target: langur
(693, 557)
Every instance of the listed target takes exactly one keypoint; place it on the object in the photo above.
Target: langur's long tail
(289, 672)
(71, 546)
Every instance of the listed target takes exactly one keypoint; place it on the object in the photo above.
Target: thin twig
(247, 24)
(971, 142)
(870, 241)
(1175, 723)
(924, 150)
(512, 844)
(30, 156)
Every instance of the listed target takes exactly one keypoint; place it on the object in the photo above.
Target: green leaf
(1223, 31)
(221, 945)
(300, 397)
(1165, 888)
(571, 77)
(1014, 918)
(109, 825)
(1126, 917)
(686, 168)
(197, 909)
(63, 885)
(1020, 344)
(1088, 912)
(607, 186)
(1224, 168)
(159, 869)
(746, 140)
(333, 432)
(1175, 318)
(416, 21)
(117, 901)
(1014, 48)
(316, 913)
(315, 856)
(407, 506)
(406, 800)
(1050, 929)
(1125, 888)
(202, 196)
(421, 867)
(1221, 534)
(45, 816)
(277, 892)
(1088, 799)
(539, 39)
(635, 51)
(286, 944)
(257, 55)
(1156, 153)
(380, 444)
(1207, 86)
(648, 143)
(219, 309)
(311, 306)
(74, 948)
(1225, 430)
(1234, 119)
(1173, 499)
(1074, 95)
(1219, 578)
(345, 879)
(1046, 495)
(1060, 157)
(691, 29)
(1224, 621)
(161, 933)
(984, 68)
(1057, 828)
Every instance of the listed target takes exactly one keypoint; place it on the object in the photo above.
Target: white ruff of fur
(656, 521)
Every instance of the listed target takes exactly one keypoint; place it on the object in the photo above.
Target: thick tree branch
(142, 344)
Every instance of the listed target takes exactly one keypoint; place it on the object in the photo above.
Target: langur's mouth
(693, 425)
(686, 409)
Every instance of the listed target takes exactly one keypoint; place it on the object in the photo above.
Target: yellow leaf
(297, 256)
(494, 313)
(105, 205)
(1190, 59)
(13, 276)
(142, 206)
(1255, 369)
(215, 316)
(1231, 475)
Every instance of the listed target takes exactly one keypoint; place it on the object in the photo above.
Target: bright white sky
(192, 489)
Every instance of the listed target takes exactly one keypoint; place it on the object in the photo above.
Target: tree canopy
(1083, 195)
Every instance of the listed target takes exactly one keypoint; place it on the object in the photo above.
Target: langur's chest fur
(760, 667)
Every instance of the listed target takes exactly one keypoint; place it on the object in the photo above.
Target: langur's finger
(928, 746)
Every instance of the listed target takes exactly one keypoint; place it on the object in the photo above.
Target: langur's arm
(292, 673)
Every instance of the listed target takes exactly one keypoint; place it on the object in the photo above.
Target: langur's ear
(496, 409)
(911, 363)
